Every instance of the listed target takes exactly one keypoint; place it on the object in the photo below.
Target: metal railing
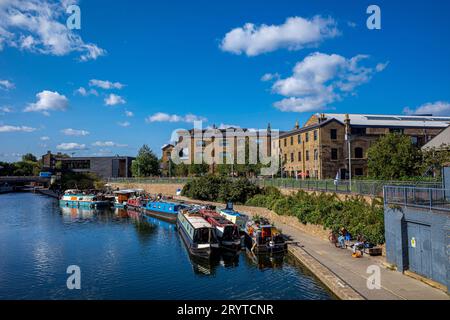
(361, 187)
(429, 198)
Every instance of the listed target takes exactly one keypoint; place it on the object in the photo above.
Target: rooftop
(414, 121)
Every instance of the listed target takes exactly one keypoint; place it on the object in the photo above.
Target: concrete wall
(396, 221)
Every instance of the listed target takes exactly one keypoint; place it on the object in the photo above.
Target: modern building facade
(105, 167)
(322, 147)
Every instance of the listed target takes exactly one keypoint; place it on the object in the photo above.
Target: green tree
(146, 163)
(433, 160)
(29, 157)
(393, 156)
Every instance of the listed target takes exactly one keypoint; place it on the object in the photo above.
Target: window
(292, 141)
(316, 154)
(415, 140)
(200, 143)
(292, 157)
(359, 153)
(285, 157)
(334, 154)
(333, 134)
(359, 172)
(307, 155)
(396, 130)
(285, 142)
(307, 137)
(299, 139)
(223, 143)
(315, 135)
(359, 131)
(299, 156)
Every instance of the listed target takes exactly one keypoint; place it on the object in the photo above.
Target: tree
(393, 156)
(29, 157)
(433, 160)
(146, 163)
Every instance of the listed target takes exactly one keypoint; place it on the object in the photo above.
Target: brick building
(222, 146)
(320, 148)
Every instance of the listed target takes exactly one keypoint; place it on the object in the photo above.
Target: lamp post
(348, 139)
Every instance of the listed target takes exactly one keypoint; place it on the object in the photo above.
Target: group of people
(343, 241)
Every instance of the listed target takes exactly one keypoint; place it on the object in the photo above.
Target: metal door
(419, 249)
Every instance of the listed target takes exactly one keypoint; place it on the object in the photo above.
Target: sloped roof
(441, 139)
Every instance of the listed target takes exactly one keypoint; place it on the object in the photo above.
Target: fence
(430, 198)
(362, 187)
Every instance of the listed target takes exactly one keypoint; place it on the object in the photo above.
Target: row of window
(359, 154)
(333, 136)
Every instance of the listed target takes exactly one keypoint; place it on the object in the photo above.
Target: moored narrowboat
(121, 197)
(138, 200)
(235, 217)
(263, 237)
(198, 235)
(164, 210)
(75, 199)
(226, 231)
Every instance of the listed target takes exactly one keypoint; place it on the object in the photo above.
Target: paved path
(353, 272)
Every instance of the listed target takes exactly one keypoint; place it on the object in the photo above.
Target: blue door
(419, 249)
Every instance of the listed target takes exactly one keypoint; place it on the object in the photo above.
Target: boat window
(202, 236)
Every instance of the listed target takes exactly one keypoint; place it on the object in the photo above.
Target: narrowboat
(138, 200)
(76, 199)
(235, 217)
(198, 235)
(262, 237)
(164, 210)
(121, 197)
(226, 231)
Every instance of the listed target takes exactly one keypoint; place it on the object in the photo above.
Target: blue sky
(147, 68)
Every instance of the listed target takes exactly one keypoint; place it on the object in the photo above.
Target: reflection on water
(124, 254)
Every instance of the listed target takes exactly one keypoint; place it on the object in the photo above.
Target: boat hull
(265, 248)
(169, 217)
(206, 253)
(83, 204)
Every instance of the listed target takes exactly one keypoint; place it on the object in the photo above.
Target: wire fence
(430, 198)
(362, 187)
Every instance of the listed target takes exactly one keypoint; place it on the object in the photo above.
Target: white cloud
(105, 84)
(74, 132)
(321, 79)
(352, 24)
(6, 84)
(164, 117)
(438, 108)
(8, 128)
(129, 114)
(114, 99)
(83, 92)
(71, 146)
(40, 26)
(124, 124)
(108, 144)
(270, 76)
(48, 101)
(45, 138)
(294, 34)
(6, 109)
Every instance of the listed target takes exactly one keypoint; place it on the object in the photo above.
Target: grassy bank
(354, 213)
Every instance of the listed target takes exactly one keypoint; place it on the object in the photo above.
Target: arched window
(359, 153)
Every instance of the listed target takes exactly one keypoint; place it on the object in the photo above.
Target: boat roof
(128, 191)
(230, 212)
(198, 222)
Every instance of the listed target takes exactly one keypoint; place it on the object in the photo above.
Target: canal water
(124, 255)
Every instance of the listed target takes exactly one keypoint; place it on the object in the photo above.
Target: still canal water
(125, 256)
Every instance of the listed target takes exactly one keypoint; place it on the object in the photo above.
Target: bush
(213, 188)
(353, 213)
